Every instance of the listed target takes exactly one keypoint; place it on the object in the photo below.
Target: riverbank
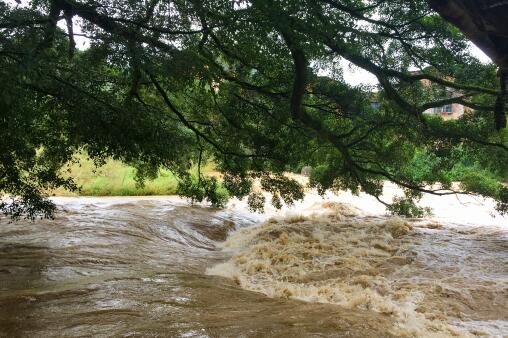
(115, 178)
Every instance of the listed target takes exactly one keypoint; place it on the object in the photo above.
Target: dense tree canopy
(257, 86)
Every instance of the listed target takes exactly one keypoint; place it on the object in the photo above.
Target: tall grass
(116, 179)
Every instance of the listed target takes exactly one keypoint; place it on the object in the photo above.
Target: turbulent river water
(334, 267)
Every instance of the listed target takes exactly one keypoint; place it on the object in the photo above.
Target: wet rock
(306, 171)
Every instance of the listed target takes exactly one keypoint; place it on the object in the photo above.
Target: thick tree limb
(483, 21)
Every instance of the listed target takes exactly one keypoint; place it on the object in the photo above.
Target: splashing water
(434, 279)
(154, 266)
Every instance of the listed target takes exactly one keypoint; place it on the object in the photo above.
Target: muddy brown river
(158, 267)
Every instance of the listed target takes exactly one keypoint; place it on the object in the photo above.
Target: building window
(443, 110)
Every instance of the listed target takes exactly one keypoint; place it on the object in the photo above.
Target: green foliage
(424, 166)
(200, 189)
(163, 87)
(237, 186)
(407, 207)
(256, 202)
(282, 187)
(502, 205)
(322, 178)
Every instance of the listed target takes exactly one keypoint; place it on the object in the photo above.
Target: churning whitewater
(432, 280)
(334, 267)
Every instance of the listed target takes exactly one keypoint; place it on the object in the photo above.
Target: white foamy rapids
(333, 254)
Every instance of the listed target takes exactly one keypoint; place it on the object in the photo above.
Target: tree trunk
(485, 23)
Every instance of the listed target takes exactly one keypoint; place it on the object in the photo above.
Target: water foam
(334, 255)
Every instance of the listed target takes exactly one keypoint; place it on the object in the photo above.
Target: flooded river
(157, 267)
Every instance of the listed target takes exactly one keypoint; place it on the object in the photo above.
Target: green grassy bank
(116, 179)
